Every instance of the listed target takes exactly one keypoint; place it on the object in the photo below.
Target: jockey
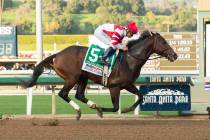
(112, 35)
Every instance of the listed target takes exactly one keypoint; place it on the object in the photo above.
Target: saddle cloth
(92, 62)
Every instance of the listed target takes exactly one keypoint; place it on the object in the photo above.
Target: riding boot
(109, 52)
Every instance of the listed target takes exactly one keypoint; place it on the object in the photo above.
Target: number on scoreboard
(8, 41)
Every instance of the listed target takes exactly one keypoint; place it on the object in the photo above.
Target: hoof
(94, 106)
(78, 116)
(126, 110)
(99, 112)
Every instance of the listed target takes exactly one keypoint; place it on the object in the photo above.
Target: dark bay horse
(67, 64)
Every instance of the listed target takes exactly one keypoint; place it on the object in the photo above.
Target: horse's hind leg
(64, 95)
(81, 89)
(81, 96)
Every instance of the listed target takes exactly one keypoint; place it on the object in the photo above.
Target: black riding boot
(109, 52)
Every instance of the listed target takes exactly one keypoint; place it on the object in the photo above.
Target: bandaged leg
(74, 105)
(91, 104)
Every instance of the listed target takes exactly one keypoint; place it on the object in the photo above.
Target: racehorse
(68, 62)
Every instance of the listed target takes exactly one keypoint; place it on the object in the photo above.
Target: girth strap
(105, 75)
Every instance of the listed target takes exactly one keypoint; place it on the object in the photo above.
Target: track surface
(39, 128)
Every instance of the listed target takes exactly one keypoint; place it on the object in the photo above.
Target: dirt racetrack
(108, 128)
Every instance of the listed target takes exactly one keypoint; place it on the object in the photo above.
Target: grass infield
(42, 104)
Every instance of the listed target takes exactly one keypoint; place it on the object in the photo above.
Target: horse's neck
(142, 52)
(142, 49)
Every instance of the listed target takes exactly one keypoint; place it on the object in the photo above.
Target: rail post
(53, 100)
(29, 101)
(119, 111)
(136, 111)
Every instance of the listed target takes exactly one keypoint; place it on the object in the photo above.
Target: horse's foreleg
(64, 95)
(132, 88)
(115, 93)
(81, 96)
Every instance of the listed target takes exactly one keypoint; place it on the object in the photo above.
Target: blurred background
(68, 22)
(83, 16)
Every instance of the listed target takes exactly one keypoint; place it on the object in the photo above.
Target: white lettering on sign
(172, 42)
(6, 30)
(168, 79)
(181, 79)
(165, 96)
(155, 79)
(165, 99)
(184, 56)
(180, 42)
(181, 99)
(183, 49)
(184, 42)
(149, 99)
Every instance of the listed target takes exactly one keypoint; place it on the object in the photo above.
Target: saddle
(92, 62)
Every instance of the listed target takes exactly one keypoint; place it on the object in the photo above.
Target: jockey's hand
(124, 48)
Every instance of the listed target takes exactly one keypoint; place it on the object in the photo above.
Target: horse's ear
(153, 33)
(147, 33)
(150, 33)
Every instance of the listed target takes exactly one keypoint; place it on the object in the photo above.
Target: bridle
(156, 57)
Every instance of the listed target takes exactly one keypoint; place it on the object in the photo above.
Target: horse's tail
(38, 70)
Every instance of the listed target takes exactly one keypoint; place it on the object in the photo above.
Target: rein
(144, 59)
(157, 56)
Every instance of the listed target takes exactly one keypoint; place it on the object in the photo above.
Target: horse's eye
(164, 42)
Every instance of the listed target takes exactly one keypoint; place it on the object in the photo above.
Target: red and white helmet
(132, 27)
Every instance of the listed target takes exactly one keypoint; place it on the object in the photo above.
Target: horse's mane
(143, 36)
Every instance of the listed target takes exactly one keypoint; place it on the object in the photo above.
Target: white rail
(7, 60)
(158, 72)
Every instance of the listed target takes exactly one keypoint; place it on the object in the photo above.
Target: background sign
(207, 45)
(8, 41)
(185, 45)
(165, 97)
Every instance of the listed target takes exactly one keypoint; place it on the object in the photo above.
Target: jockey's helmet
(132, 27)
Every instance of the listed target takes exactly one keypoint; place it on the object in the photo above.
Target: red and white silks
(111, 34)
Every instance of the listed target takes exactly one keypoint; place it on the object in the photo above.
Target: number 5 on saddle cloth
(92, 62)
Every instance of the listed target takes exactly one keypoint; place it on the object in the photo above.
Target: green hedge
(28, 42)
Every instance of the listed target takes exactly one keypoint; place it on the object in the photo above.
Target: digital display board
(8, 41)
(185, 45)
(207, 49)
